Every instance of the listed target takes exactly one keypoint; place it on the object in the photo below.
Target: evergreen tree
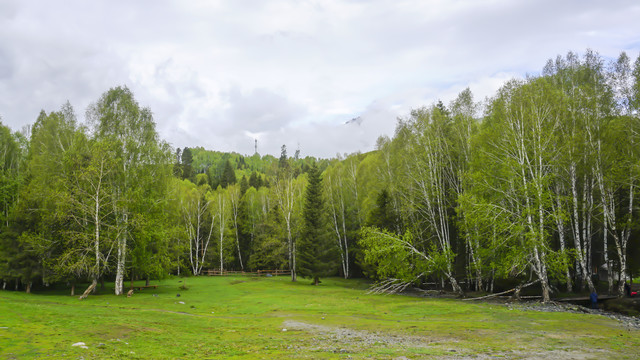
(255, 181)
(228, 175)
(283, 162)
(382, 215)
(316, 252)
(187, 160)
(244, 185)
(177, 166)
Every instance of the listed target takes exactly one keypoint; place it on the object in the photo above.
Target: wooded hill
(537, 183)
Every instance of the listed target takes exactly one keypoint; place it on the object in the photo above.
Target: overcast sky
(219, 74)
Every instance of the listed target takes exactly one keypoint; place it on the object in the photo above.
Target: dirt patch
(352, 337)
(345, 340)
(543, 355)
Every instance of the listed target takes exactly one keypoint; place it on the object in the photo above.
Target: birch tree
(198, 221)
(428, 171)
(335, 190)
(524, 145)
(285, 195)
(235, 203)
(118, 117)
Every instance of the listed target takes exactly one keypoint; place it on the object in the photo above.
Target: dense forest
(536, 184)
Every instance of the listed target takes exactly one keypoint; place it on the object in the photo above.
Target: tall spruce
(316, 258)
(228, 175)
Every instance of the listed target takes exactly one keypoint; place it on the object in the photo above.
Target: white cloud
(219, 74)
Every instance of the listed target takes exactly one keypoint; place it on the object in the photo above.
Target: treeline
(536, 184)
(542, 187)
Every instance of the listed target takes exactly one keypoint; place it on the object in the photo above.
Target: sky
(221, 74)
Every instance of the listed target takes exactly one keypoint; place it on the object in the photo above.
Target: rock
(155, 295)
(177, 295)
(181, 302)
(283, 330)
(79, 344)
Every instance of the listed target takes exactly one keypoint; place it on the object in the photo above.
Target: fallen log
(515, 290)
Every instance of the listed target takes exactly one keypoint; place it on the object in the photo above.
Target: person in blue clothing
(594, 300)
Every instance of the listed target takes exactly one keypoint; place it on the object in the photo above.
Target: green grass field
(246, 318)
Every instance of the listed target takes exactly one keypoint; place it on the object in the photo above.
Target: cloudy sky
(219, 74)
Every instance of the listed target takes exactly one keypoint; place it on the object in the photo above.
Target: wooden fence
(216, 272)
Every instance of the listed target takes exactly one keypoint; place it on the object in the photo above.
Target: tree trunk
(73, 289)
(120, 266)
(89, 290)
(28, 288)
(560, 226)
(238, 248)
(122, 253)
(605, 251)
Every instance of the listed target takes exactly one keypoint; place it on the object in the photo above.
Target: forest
(536, 184)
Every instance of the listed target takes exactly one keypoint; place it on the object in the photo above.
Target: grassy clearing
(244, 318)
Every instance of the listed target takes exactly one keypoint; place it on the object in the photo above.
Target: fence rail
(215, 272)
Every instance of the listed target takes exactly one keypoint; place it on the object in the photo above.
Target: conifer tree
(228, 175)
(187, 160)
(316, 258)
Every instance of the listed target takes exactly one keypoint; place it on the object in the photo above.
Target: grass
(244, 318)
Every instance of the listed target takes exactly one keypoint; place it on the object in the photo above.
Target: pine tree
(255, 180)
(383, 216)
(187, 160)
(228, 175)
(244, 185)
(316, 252)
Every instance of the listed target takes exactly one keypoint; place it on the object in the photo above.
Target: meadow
(267, 318)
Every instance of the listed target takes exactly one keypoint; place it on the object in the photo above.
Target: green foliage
(399, 256)
(228, 175)
(269, 248)
(316, 252)
(383, 216)
(187, 164)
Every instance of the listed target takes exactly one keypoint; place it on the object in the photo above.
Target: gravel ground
(628, 321)
(342, 340)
